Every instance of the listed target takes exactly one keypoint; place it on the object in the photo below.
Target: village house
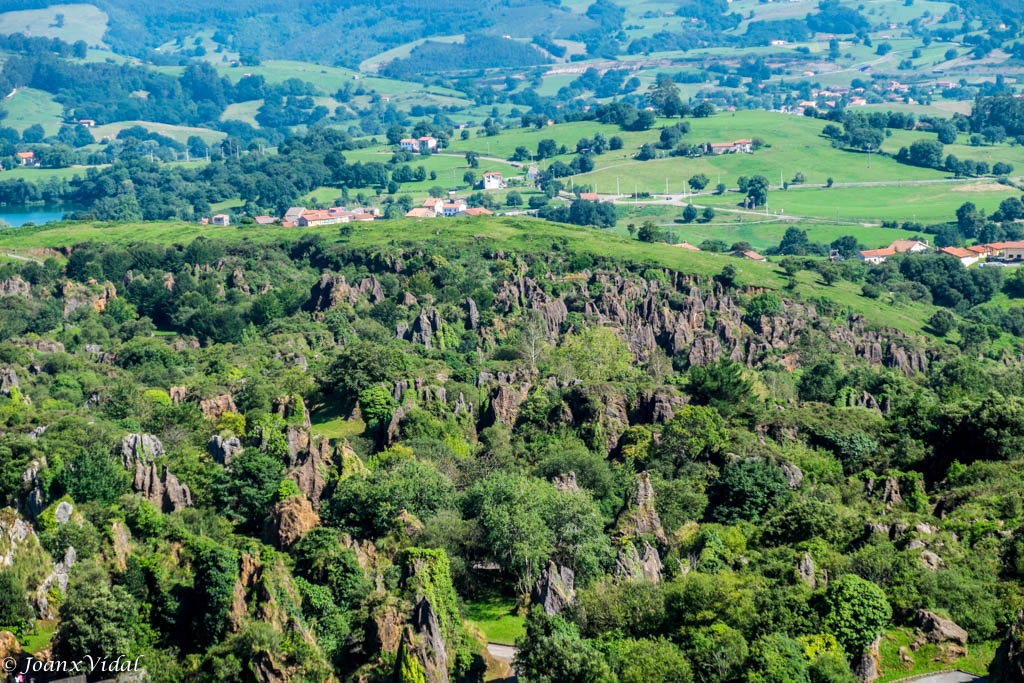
(292, 215)
(28, 158)
(876, 256)
(749, 254)
(475, 211)
(492, 181)
(312, 219)
(735, 147)
(433, 204)
(589, 197)
(453, 207)
(221, 219)
(88, 123)
(965, 256)
(264, 220)
(1013, 251)
(421, 144)
(420, 212)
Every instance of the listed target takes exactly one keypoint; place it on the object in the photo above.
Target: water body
(17, 216)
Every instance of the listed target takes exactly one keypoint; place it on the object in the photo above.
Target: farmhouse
(492, 181)
(292, 216)
(264, 220)
(476, 211)
(421, 144)
(221, 219)
(420, 212)
(434, 204)
(311, 219)
(1013, 251)
(749, 254)
(28, 158)
(453, 207)
(737, 146)
(589, 196)
(965, 256)
(876, 256)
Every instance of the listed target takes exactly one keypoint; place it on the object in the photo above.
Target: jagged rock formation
(154, 483)
(472, 314)
(805, 569)
(867, 667)
(660, 406)
(311, 467)
(140, 447)
(58, 577)
(289, 521)
(33, 499)
(9, 645)
(566, 482)
(554, 589)
(640, 516)
(177, 394)
(237, 281)
(603, 406)
(8, 380)
(333, 289)
(938, 630)
(223, 450)
(14, 286)
(422, 655)
(630, 565)
(506, 401)
(213, 408)
(292, 409)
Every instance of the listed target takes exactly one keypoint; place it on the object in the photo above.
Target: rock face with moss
(554, 589)
(1008, 664)
(433, 632)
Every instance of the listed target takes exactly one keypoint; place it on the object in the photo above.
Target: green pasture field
(373, 64)
(1004, 151)
(243, 111)
(81, 22)
(28, 106)
(40, 175)
(931, 203)
(178, 133)
(497, 618)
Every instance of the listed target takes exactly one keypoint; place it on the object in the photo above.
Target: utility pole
(617, 190)
(666, 188)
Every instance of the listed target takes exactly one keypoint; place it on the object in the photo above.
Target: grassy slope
(81, 22)
(496, 617)
(178, 133)
(28, 106)
(516, 234)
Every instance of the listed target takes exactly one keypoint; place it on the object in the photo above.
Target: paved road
(503, 652)
(950, 677)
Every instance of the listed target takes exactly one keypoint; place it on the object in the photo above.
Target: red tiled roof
(957, 252)
(887, 251)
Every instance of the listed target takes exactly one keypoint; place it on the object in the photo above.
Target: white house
(222, 219)
(492, 181)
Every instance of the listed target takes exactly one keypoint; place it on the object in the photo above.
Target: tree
(94, 476)
(514, 199)
(747, 489)
(820, 382)
(720, 385)
(663, 95)
(856, 612)
(794, 242)
(763, 304)
(96, 619)
(846, 245)
(595, 354)
(547, 148)
(34, 133)
(650, 232)
(395, 133)
(698, 182)
(473, 159)
(469, 178)
(703, 110)
(942, 322)
(552, 651)
(689, 213)
(14, 607)
(755, 188)
(255, 478)
(694, 433)
(707, 215)
(648, 661)
(215, 569)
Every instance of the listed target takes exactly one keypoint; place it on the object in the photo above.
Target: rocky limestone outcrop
(805, 569)
(14, 286)
(331, 290)
(161, 488)
(794, 475)
(506, 401)
(297, 439)
(120, 542)
(423, 644)
(472, 314)
(177, 394)
(8, 380)
(33, 499)
(237, 281)
(566, 482)
(425, 325)
(603, 406)
(1008, 664)
(223, 450)
(212, 408)
(350, 464)
(153, 481)
(311, 468)
(385, 629)
(640, 516)
(292, 409)
(140, 448)
(938, 630)
(290, 520)
(57, 578)
(15, 533)
(554, 589)
(630, 565)
(659, 406)
(867, 667)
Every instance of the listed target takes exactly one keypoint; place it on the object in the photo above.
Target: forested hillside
(311, 457)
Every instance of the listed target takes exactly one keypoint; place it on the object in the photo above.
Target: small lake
(17, 216)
